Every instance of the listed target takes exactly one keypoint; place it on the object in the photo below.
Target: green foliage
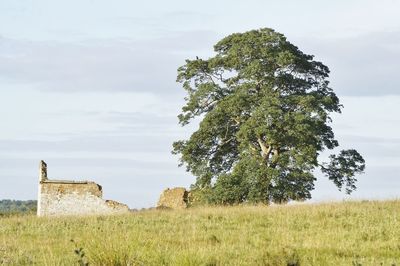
(265, 109)
(342, 168)
(17, 206)
(306, 234)
(200, 197)
(80, 253)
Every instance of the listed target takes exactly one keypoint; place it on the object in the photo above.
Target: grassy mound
(348, 233)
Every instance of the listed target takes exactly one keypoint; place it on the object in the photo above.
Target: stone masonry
(175, 198)
(64, 197)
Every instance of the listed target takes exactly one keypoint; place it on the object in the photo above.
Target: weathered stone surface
(117, 205)
(63, 197)
(175, 198)
(61, 188)
(42, 171)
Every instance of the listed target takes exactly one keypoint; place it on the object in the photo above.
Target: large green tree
(265, 111)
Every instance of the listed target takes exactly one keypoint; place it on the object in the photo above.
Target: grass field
(347, 233)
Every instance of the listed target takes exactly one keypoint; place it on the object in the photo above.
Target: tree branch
(265, 150)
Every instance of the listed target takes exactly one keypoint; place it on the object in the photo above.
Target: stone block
(175, 198)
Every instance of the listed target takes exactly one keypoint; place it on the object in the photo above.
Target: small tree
(265, 109)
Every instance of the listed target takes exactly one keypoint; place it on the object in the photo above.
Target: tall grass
(348, 233)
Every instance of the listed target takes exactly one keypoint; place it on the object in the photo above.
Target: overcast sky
(89, 86)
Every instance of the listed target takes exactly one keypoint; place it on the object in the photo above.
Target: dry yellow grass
(347, 233)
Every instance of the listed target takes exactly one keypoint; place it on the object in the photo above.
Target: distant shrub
(200, 197)
(8, 207)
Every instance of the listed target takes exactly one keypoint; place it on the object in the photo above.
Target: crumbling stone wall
(63, 197)
(175, 198)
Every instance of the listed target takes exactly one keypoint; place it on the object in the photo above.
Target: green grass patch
(348, 233)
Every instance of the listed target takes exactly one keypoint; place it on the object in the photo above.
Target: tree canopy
(17, 206)
(265, 110)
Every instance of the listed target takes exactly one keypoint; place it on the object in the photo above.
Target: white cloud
(360, 65)
(101, 65)
(115, 65)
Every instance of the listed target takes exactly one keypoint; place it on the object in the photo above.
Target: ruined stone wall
(58, 198)
(175, 198)
(62, 197)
